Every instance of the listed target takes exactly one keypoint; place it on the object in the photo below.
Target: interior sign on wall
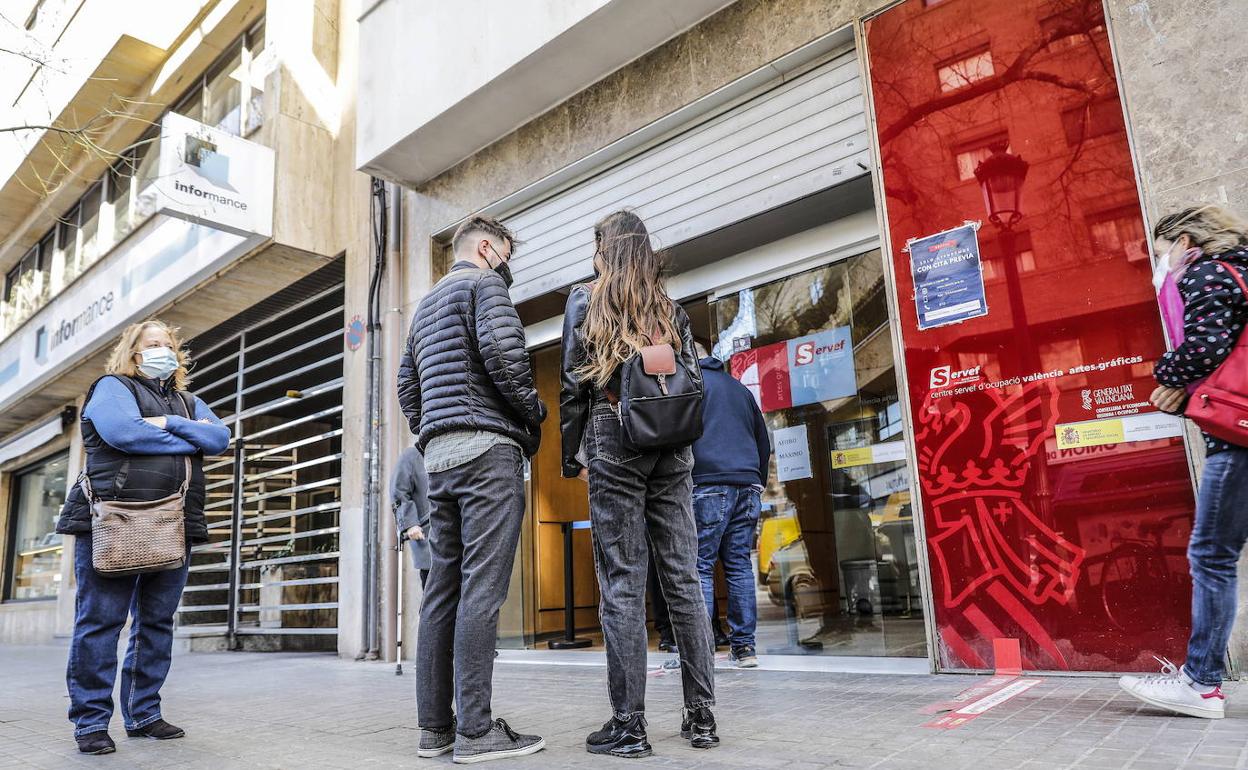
(792, 453)
(803, 370)
(948, 277)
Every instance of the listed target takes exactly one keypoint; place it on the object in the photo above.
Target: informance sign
(214, 178)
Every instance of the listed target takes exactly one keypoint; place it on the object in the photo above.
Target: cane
(398, 635)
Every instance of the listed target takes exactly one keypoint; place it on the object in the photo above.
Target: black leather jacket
(576, 396)
(465, 366)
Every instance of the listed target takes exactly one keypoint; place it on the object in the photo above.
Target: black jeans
(474, 528)
(635, 499)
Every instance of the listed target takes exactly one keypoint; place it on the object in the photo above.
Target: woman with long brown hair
(146, 437)
(635, 496)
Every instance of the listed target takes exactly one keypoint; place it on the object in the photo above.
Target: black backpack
(660, 400)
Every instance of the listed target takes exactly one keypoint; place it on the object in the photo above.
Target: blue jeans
(101, 608)
(1218, 537)
(727, 516)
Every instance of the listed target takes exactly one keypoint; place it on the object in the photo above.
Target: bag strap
(1239, 279)
(84, 481)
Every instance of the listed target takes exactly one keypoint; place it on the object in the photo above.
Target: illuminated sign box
(211, 177)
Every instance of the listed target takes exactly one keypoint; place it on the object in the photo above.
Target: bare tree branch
(1016, 71)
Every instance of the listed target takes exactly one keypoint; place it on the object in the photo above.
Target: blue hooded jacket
(735, 448)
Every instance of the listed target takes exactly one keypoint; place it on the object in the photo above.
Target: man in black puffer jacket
(466, 388)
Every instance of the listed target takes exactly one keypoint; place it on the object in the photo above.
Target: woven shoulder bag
(136, 537)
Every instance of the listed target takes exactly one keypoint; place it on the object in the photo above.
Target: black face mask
(504, 271)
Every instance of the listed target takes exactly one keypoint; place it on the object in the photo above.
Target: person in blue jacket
(730, 467)
(139, 427)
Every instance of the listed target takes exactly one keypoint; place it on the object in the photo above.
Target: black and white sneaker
(437, 741)
(620, 738)
(744, 657)
(501, 742)
(698, 726)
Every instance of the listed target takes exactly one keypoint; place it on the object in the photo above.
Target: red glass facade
(1037, 527)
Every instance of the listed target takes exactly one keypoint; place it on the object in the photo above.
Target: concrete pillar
(352, 228)
(1183, 161)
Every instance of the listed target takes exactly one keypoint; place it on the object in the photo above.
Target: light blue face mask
(158, 363)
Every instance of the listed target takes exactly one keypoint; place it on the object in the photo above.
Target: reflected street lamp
(1001, 177)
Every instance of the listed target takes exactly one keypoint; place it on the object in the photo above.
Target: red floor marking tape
(1008, 658)
(966, 714)
(969, 695)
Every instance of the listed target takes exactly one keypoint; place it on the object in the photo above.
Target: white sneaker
(1175, 691)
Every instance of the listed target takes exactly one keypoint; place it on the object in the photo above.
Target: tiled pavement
(255, 710)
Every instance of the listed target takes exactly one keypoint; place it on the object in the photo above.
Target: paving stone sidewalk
(255, 710)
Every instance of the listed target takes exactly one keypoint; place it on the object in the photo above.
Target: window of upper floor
(228, 96)
(965, 70)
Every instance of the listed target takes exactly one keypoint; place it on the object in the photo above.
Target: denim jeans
(637, 498)
(473, 532)
(1218, 537)
(100, 612)
(727, 516)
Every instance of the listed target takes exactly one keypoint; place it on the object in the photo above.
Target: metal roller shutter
(794, 139)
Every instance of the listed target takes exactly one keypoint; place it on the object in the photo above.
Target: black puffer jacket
(465, 366)
(576, 395)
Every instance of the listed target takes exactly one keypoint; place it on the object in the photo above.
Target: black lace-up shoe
(698, 726)
(96, 743)
(160, 730)
(621, 739)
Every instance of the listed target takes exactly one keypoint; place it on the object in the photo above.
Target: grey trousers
(477, 509)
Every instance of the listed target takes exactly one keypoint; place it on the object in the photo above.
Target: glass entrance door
(835, 551)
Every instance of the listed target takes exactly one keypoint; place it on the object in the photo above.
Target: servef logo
(807, 352)
(945, 376)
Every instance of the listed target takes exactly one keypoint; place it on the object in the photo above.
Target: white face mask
(158, 363)
(1163, 269)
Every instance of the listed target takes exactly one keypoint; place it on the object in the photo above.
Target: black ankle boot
(698, 726)
(160, 730)
(96, 743)
(621, 739)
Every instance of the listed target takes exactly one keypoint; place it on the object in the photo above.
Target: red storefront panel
(1056, 503)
